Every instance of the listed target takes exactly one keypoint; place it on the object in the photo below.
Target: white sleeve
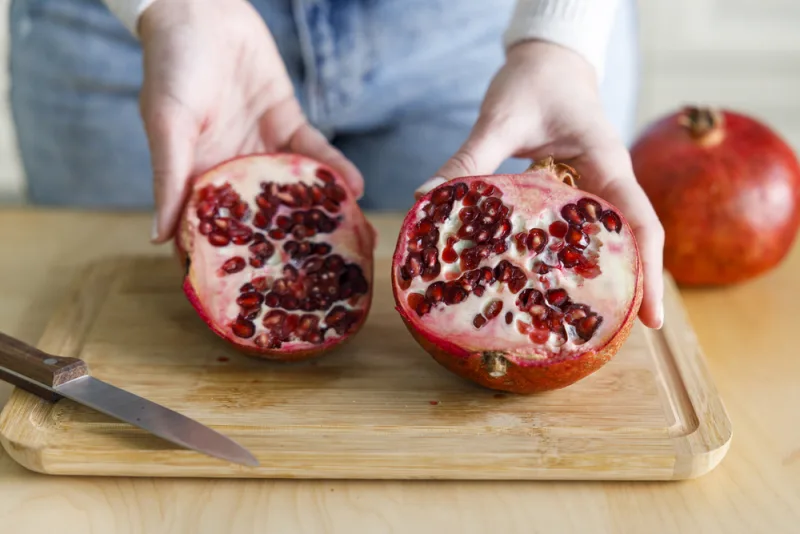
(128, 11)
(580, 25)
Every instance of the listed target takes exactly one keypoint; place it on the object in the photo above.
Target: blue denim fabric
(396, 84)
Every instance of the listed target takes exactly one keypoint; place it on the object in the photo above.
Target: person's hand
(215, 87)
(545, 101)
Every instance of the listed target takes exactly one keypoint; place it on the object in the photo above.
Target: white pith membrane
(218, 290)
(539, 200)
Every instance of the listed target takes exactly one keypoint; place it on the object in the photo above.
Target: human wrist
(583, 26)
(553, 61)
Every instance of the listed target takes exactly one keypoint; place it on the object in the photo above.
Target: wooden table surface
(747, 334)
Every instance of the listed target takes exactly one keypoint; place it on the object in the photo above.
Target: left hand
(545, 101)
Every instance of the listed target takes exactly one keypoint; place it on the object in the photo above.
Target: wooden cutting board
(379, 407)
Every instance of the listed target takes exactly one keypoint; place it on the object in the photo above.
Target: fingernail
(428, 185)
(154, 231)
(661, 316)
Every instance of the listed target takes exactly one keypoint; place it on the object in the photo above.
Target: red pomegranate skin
(728, 200)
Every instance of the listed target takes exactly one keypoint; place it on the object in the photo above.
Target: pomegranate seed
(540, 313)
(313, 265)
(304, 249)
(482, 236)
(472, 198)
(274, 318)
(283, 222)
(557, 297)
(509, 317)
(206, 193)
(517, 282)
(432, 272)
(206, 210)
(330, 205)
(435, 292)
(502, 271)
(558, 229)
(491, 190)
(589, 209)
(316, 194)
(272, 299)
(261, 249)
(322, 249)
(587, 326)
(218, 239)
(308, 322)
(263, 202)
(487, 275)
(502, 230)
(493, 309)
(523, 328)
(499, 247)
(334, 263)
(442, 194)
(528, 298)
(479, 321)
(449, 255)
(467, 231)
(335, 192)
(324, 174)
(536, 240)
(259, 283)
(327, 225)
(205, 227)
(468, 214)
(314, 337)
(290, 273)
(424, 228)
(260, 221)
(301, 195)
(243, 328)
(454, 295)
(576, 238)
(250, 300)
(241, 238)
(491, 207)
(460, 191)
(289, 302)
(469, 259)
(569, 257)
(571, 214)
(539, 336)
(298, 217)
(430, 256)
(414, 265)
(442, 212)
(277, 233)
(234, 265)
(520, 240)
(478, 290)
(576, 312)
(611, 221)
(299, 232)
(478, 186)
(246, 287)
(240, 210)
(541, 268)
(423, 308)
(256, 262)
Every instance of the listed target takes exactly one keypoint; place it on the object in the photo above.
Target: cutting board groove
(379, 407)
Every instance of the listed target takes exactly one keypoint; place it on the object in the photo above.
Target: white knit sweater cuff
(580, 25)
(128, 12)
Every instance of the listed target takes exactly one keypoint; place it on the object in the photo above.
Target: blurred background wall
(739, 53)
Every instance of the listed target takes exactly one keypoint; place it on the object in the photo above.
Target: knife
(53, 377)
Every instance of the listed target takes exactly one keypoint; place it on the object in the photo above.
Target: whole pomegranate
(278, 255)
(521, 283)
(726, 189)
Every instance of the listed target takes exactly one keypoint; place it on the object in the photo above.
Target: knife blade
(53, 377)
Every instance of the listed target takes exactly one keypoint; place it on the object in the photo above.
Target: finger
(427, 186)
(284, 126)
(616, 183)
(172, 134)
(482, 153)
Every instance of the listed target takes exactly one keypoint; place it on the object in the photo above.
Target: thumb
(171, 134)
(481, 153)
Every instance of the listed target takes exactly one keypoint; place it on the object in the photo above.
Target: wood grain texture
(379, 407)
(747, 333)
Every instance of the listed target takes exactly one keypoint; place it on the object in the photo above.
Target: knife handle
(35, 371)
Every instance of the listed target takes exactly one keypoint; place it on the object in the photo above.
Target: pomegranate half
(520, 283)
(726, 189)
(278, 255)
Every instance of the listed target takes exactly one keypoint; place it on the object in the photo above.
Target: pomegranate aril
(539, 336)
(424, 228)
(272, 299)
(300, 232)
(240, 210)
(322, 249)
(589, 209)
(324, 174)
(558, 229)
(313, 265)
(316, 193)
(454, 294)
(576, 238)
(250, 300)
(234, 265)
(472, 198)
(571, 214)
(611, 221)
(520, 240)
(261, 249)
(536, 240)
(478, 186)
(429, 256)
(414, 265)
(509, 317)
(206, 210)
(499, 247)
(491, 206)
(518, 280)
(277, 233)
(528, 298)
(575, 312)
(460, 190)
(491, 190)
(569, 256)
(442, 194)
(260, 221)
(273, 319)
(330, 205)
(467, 230)
(335, 192)
(423, 308)
(468, 214)
(256, 262)
(557, 297)
(449, 255)
(469, 259)
(479, 321)
(218, 239)
(541, 268)
(493, 309)
(435, 292)
(487, 275)
(259, 283)
(482, 236)
(587, 326)
(502, 271)
(334, 263)
(289, 302)
(502, 230)
(442, 212)
(246, 287)
(243, 328)
(205, 227)
(523, 327)
(432, 272)
(249, 313)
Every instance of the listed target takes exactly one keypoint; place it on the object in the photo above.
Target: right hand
(215, 87)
